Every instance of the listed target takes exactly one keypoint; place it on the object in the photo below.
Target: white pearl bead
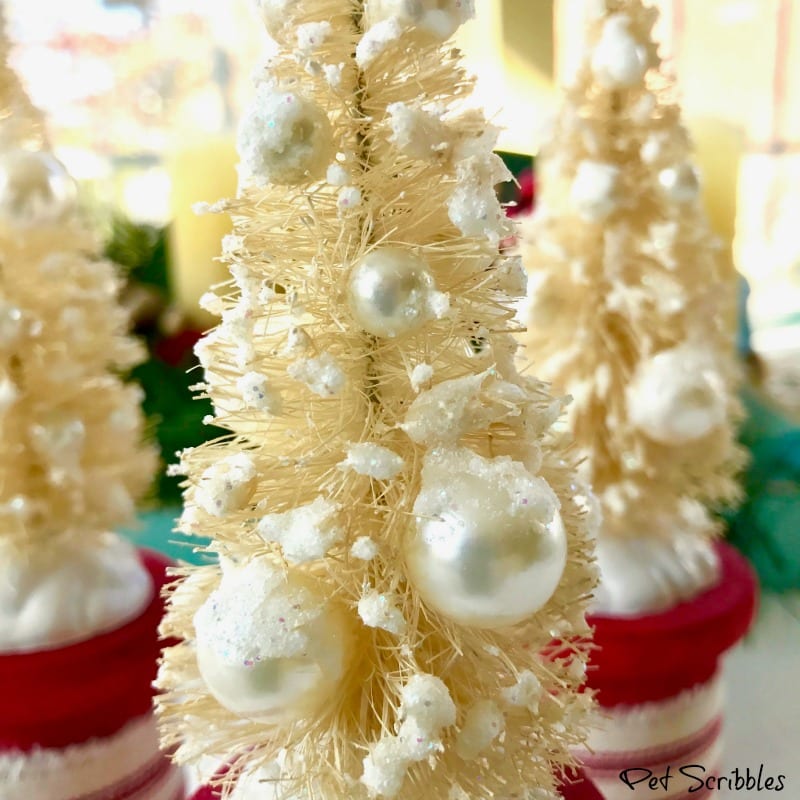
(676, 396)
(390, 291)
(619, 61)
(284, 138)
(270, 652)
(480, 556)
(35, 189)
(595, 190)
(12, 324)
(437, 18)
(680, 183)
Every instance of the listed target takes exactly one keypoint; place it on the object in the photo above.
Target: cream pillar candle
(201, 169)
(718, 149)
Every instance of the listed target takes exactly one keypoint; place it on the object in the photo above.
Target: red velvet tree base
(84, 690)
(657, 678)
(654, 656)
(76, 720)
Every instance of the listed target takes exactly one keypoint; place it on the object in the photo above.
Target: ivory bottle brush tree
(631, 312)
(400, 532)
(72, 461)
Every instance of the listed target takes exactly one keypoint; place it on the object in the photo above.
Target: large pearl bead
(270, 647)
(489, 547)
(390, 291)
(680, 183)
(677, 396)
(595, 190)
(437, 18)
(619, 61)
(35, 189)
(284, 138)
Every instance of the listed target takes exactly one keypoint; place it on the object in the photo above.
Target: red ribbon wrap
(54, 698)
(655, 656)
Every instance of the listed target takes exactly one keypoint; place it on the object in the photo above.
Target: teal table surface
(155, 530)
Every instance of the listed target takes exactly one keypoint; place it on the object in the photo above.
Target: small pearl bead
(680, 183)
(390, 292)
